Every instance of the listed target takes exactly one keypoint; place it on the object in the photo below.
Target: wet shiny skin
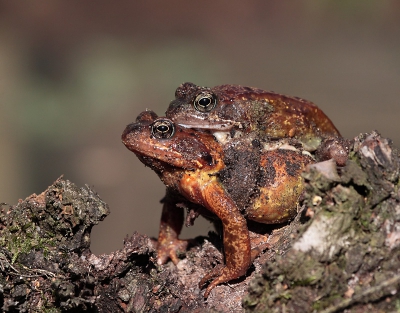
(249, 109)
(191, 164)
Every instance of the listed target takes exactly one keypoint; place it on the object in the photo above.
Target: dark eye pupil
(162, 128)
(204, 102)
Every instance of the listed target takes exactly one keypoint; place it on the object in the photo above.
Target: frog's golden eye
(162, 129)
(205, 102)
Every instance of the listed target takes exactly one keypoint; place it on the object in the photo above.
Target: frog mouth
(217, 125)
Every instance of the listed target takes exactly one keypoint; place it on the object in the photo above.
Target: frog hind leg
(170, 227)
(235, 236)
(220, 269)
(224, 274)
(237, 255)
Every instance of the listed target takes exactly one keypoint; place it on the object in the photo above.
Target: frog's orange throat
(195, 185)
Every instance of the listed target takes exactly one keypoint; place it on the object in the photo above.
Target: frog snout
(129, 129)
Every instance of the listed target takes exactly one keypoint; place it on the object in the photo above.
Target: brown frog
(242, 182)
(233, 110)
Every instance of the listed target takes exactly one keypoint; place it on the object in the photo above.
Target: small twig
(41, 272)
(24, 275)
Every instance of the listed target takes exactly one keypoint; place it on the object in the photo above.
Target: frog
(199, 172)
(229, 111)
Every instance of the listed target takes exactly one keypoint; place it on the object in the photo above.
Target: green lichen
(347, 258)
(23, 239)
(38, 236)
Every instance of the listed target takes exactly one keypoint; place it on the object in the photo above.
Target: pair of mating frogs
(235, 154)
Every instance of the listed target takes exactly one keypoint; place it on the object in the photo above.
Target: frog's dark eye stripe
(162, 129)
(205, 102)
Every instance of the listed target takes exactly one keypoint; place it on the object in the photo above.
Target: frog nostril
(130, 133)
(128, 129)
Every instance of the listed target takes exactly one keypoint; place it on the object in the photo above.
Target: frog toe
(171, 251)
(223, 274)
(216, 271)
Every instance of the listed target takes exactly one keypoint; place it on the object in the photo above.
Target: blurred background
(74, 73)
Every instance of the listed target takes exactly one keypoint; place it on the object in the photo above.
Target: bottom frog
(245, 181)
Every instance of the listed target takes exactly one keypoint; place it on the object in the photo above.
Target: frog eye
(162, 129)
(205, 102)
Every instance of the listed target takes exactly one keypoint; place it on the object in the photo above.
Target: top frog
(230, 110)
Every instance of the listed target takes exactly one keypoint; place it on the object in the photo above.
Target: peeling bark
(340, 253)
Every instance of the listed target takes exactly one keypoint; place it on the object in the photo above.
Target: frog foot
(170, 250)
(223, 275)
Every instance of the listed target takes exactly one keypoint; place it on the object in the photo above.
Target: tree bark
(342, 251)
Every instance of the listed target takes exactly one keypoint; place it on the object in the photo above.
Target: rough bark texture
(347, 256)
(342, 252)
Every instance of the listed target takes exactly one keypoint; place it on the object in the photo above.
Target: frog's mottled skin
(197, 171)
(250, 109)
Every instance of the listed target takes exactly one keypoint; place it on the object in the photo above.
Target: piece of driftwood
(342, 252)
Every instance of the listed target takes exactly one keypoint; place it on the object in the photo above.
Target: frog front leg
(336, 148)
(170, 227)
(235, 236)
